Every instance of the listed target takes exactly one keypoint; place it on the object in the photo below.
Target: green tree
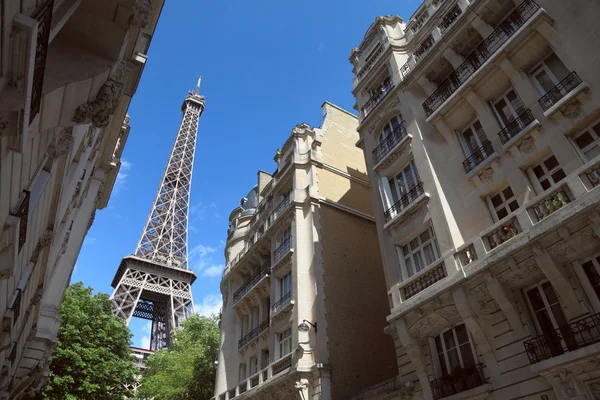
(92, 359)
(186, 370)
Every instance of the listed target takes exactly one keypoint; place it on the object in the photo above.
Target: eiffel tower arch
(155, 282)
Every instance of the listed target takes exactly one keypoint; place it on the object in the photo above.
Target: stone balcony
(534, 220)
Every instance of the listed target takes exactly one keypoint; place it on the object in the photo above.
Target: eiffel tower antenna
(155, 282)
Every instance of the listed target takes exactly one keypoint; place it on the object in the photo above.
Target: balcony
(478, 156)
(459, 381)
(405, 201)
(576, 335)
(370, 61)
(251, 282)
(559, 91)
(424, 47)
(515, 127)
(423, 279)
(282, 302)
(282, 364)
(551, 201)
(283, 249)
(480, 55)
(389, 142)
(450, 18)
(380, 93)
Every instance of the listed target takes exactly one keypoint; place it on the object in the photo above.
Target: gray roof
(249, 203)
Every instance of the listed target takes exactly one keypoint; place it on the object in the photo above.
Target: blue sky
(267, 66)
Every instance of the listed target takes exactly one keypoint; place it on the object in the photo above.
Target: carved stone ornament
(37, 296)
(141, 13)
(3, 124)
(561, 250)
(449, 313)
(63, 248)
(572, 110)
(225, 292)
(595, 389)
(100, 110)
(567, 384)
(302, 387)
(44, 241)
(483, 297)
(585, 236)
(407, 391)
(527, 145)
(64, 143)
(487, 176)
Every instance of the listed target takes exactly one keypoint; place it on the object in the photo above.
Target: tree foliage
(92, 359)
(186, 370)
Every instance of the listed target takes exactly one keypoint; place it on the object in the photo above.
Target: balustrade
(559, 91)
(430, 277)
(515, 127)
(502, 233)
(551, 203)
(388, 143)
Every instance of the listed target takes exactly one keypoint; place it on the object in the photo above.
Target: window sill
(396, 150)
(419, 274)
(515, 139)
(568, 97)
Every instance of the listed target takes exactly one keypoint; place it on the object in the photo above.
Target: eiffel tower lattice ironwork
(155, 282)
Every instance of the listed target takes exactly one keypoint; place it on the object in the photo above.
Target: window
(508, 108)
(419, 253)
(404, 182)
(254, 318)
(37, 189)
(283, 238)
(242, 372)
(588, 141)
(504, 203)
(549, 73)
(392, 124)
(548, 172)
(285, 342)
(474, 138)
(454, 350)
(253, 366)
(285, 284)
(245, 321)
(592, 271)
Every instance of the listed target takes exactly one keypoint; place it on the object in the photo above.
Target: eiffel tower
(155, 282)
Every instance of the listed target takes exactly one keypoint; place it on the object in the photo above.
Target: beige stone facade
(68, 70)
(304, 300)
(480, 125)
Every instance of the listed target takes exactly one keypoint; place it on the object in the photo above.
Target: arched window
(392, 124)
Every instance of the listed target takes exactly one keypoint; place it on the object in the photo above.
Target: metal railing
(515, 127)
(424, 47)
(559, 91)
(243, 341)
(380, 93)
(388, 143)
(573, 336)
(281, 207)
(480, 55)
(449, 19)
(44, 17)
(369, 63)
(459, 381)
(283, 301)
(478, 156)
(250, 282)
(404, 201)
(283, 248)
(264, 325)
(282, 364)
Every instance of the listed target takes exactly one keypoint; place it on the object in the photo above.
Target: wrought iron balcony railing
(282, 302)
(380, 93)
(404, 201)
(283, 248)
(250, 282)
(264, 325)
(478, 156)
(459, 381)
(449, 19)
(243, 341)
(559, 91)
(388, 143)
(573, 336)
(515, 127)
(282, 364)
(424, 47)
(480, 55)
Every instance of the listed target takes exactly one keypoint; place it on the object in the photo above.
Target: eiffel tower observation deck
(155, 282)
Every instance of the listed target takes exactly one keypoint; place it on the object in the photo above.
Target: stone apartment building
(68, 70)
(480, 126)
(303, 287)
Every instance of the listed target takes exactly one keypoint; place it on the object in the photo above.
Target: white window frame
(434, 351)
(242, 372)
(465, 144)
(509, 105)
(284, 339)
(390, 126)
(403, 257)
(543, 66)
(504, 205)
(547, 305)
(595, 143)
(547, 174)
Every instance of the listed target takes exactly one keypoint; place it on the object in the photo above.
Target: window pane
(461, 334)
(504, 112)
(442, 360)
(596, 129)
(438, 345)
(593, 151)
(449, 340)
(496, 201)
(550, 163)
(584, 140)
(546, 184)
(508, 193)
(453, 360)
(538, 171)
(418, 259)
(513, 206)
(405, 250)
(414, 244)
(557, 67)
(558, 175)
(425, 236)
(535, 299)
(409, 267)
(467, 355)
(516, 103)
(501, 213)
(544, 80)
(549, 293)
(593, 276)
(429, 254)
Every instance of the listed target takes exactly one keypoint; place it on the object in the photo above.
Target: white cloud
(214, 270)
(211, 304)
(122, 175)
(145, 341)
(200, 257)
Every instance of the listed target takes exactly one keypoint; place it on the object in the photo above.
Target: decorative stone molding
(407, 391)
(44, 241)
(302, 387)
(37, 296)
(383, 114)
(100, 110)
(64, 143)
(572, 110)
(487, 176)
(141, 13)
(3, 124)
(521, 274)
(484, 298)
(527, 145)
(567, 384)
